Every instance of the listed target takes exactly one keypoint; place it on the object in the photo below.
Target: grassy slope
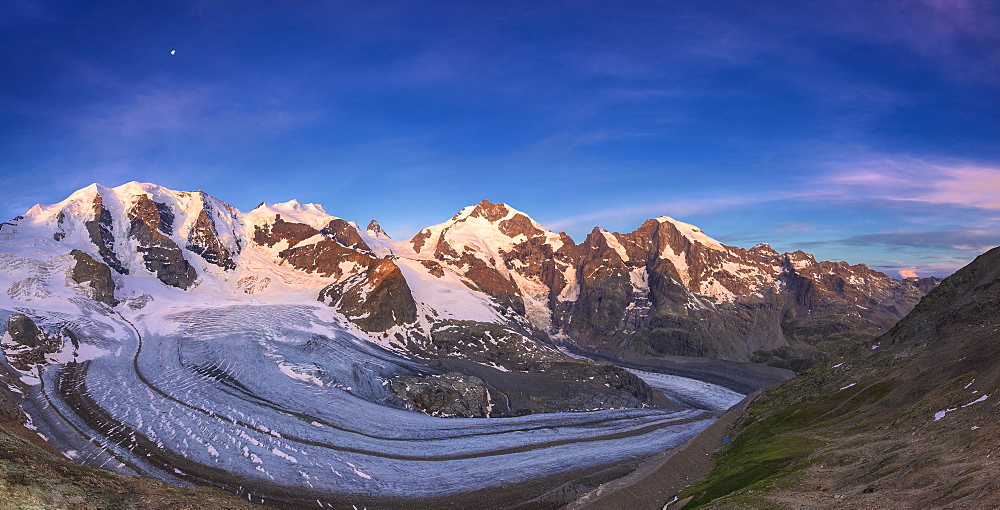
(812, 443)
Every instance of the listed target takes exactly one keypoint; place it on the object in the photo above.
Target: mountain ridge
(648, 293)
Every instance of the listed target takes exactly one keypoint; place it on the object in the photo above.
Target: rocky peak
(346, 234)
(485, 228)
(763, 248)
(691, 233)
(376, 230)
(312, 215)
(490, 211)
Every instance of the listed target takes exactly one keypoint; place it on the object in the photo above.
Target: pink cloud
(908, 178)
(971, 185)
(910, 272)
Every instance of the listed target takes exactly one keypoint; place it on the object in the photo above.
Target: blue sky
(859, 131)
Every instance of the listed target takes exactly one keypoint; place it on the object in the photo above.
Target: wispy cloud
(160, 111)
(870, 180)
(927, 253)
(678, 208)
(908, 178)
(966, 240)
(795, 227)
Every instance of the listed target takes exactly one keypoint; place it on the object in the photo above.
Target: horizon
(852, 131)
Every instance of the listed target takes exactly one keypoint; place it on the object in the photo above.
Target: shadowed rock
(101, 231)
(448, 395)
(160, 253)
(98, 275)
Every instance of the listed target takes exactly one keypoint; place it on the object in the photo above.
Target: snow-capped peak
(488, 226)
(491, 212)
(376, 230)
(693, 233)
(311, 214)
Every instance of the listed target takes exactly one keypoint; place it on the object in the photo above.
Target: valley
(293, 359)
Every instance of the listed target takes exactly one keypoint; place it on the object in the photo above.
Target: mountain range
(137, 312)
(664, 289)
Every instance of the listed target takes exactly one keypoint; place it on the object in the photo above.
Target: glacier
(203, 395)
(245, 381)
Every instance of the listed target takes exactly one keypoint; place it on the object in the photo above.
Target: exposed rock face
(203, 239)
(375, 229)
(448, 395)
(491, 281)
(28, 344)
(60, 233)
(337, 247)
(166, 218)
(375, 300)
(23, 331)
(97, 274)
(101, 230)
(346, 234)
(666, 288)
(159, 252)
(281, 230)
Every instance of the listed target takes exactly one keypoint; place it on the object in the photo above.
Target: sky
(859, 131)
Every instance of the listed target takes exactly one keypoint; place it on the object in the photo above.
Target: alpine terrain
(908, 420)
(291, 358)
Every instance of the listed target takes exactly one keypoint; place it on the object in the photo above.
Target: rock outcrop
(376, 300)
(450, 395)
(203, 239)
(159, 252)
(26, 344)
(96, 274)
(101, 230)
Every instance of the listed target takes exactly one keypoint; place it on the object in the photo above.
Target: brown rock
(97, 274)
(203, 239)
(281, 230)
(375, 300)
(160, 254)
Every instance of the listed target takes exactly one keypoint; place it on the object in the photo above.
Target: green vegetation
(750, 464)
(777, 437)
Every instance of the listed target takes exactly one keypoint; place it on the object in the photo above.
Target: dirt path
(664, 475)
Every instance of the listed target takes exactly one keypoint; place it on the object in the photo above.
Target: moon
(173, 51)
